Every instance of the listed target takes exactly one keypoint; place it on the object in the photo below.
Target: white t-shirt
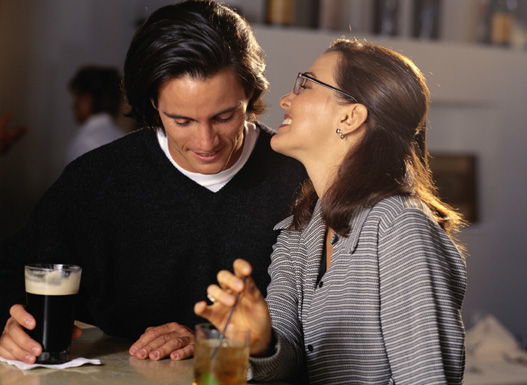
(214, 182)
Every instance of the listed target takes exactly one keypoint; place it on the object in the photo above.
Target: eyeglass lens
(298, 83)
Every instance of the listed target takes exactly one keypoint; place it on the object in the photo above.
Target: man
(153, 216)
(97, 100)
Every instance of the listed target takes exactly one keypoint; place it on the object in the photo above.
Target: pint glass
(51, 291)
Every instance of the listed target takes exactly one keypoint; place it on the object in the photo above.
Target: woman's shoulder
(398, 208)
(395, 205)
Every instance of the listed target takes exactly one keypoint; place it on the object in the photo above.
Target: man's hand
(15, 343)
(169, 339)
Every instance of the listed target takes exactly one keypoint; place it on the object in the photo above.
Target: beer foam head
(53, 279)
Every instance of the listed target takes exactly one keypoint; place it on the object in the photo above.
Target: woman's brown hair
(391, 158)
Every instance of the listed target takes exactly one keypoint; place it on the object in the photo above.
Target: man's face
(204, 120)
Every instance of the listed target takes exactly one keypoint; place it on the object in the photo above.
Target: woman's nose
(285, 101)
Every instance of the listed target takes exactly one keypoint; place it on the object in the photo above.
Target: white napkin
(490, 340)
(70, 364)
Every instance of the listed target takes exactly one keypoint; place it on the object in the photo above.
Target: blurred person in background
(97, 101)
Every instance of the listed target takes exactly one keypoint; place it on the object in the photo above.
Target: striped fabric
(388, 310)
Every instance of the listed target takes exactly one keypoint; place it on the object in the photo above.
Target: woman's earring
(339, 132)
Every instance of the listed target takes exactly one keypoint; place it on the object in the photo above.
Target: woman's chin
(276, 144)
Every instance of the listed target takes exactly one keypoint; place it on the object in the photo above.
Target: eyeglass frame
(302, 75)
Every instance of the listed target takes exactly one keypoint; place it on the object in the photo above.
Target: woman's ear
(153, 103)
(353, 117)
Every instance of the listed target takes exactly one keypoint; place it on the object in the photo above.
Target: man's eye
(224, 119)
(182, 123)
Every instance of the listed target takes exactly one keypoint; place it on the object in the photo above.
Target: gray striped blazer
(387, 311)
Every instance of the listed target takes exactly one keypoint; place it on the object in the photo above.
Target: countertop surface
(118, 367)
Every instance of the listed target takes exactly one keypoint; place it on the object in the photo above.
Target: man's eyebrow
(224, 111)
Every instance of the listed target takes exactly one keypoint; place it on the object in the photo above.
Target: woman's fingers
(225, 297)
(242, 268)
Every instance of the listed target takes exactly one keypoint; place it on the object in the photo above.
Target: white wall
(478, 105)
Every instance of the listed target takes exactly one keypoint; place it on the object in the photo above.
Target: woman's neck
(321, 178)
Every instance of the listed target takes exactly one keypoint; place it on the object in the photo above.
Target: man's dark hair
(195, 38)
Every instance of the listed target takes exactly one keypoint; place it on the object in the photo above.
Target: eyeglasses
(301, 81)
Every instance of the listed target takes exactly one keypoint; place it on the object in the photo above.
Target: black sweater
(149, 239)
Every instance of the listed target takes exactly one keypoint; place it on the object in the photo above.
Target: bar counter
(118, 367)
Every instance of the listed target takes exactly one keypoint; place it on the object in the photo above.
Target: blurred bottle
(501, 18)
(334, 15)
(306, 13)
(427, 17)
(386, 17)
(280, 12)
(355, 16)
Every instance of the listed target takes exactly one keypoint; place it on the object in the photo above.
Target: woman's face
(204, 120)
(311, 117)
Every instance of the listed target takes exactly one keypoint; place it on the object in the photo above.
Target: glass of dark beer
(51, 291)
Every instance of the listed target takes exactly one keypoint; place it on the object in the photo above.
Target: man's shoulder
(128, 152)
(128, 144)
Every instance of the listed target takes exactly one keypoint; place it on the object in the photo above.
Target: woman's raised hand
(251, 309)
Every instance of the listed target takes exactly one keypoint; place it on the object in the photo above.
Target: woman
(366, 281)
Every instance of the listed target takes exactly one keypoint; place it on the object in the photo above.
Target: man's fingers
(77, 332)
(22, 317)
(162, 346)
(11, 350)
(6, 354)
(14, 337)
(185, 352)
(167, 337)
(172, 344)
(148, 336)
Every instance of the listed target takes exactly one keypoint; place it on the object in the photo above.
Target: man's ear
(352, 118)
